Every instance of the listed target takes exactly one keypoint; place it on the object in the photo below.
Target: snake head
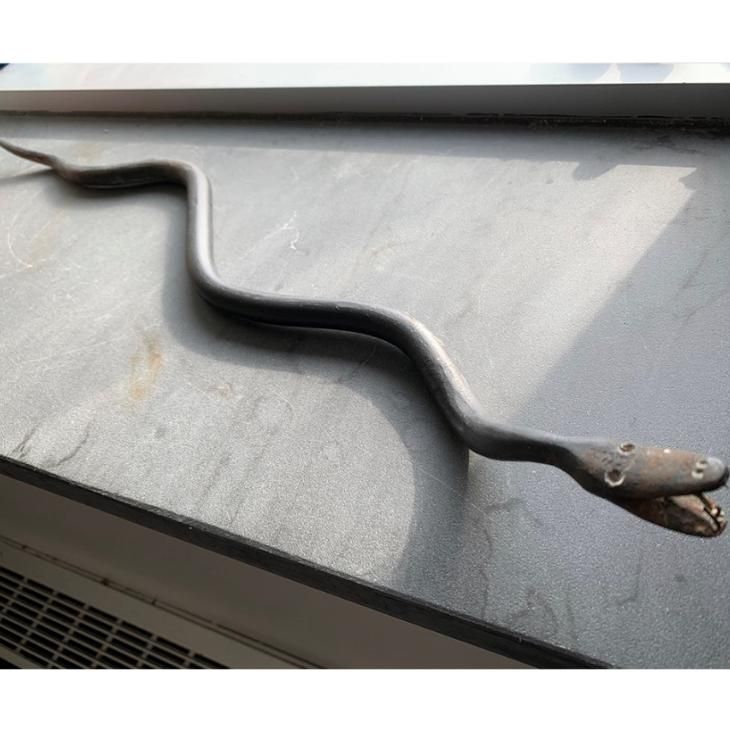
(664, 486)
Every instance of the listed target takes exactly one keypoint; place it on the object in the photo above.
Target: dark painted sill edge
(457, 626)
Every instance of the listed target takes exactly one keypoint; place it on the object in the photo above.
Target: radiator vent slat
(52, 629)
(79, 645)
(96, 628)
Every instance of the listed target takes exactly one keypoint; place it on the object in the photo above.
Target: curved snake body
(664, 486)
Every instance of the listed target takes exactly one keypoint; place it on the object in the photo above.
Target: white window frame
(685, 92)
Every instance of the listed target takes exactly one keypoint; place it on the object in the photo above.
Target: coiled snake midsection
(665, 486)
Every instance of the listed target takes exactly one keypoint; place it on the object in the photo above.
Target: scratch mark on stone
(71, 454)
(287, 227)
(9, 242)
(537, 616)
(485, 593)
(360, 365)
(23, 447)
(283, 399)
(225, 389)
(512, 504)
(462, 495)
(633, 595)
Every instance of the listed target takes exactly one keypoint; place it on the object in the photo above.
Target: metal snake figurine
(662, 485)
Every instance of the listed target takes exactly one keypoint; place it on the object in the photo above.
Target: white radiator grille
(52, 629)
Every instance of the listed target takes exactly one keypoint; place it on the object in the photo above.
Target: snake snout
(628, 471)
(712, 472)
